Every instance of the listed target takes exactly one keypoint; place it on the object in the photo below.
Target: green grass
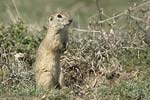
(129, 90)
(24, 92)
(125, 90)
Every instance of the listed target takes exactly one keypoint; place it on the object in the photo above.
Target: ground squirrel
(48, 72)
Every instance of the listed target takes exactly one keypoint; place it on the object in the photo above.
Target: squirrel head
(60, 20)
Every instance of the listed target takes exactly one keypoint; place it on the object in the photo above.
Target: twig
(136, 18)
(17, 11)
(83, 30)
(99, 10)
(125, 12)
(94, 83)
(136, 48)
(111, 18)
(10, 14)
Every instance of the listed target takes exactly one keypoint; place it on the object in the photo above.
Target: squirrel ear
(58, 10)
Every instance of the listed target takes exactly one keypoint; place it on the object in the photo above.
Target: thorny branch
(116, 16)
(99, 10)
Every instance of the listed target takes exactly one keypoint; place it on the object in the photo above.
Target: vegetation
(110, 60)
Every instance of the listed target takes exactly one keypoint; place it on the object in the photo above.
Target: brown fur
(48, 72)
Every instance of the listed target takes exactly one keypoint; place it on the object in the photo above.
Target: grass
(125, 91)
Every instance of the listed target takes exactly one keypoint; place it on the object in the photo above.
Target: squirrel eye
(59, 16)
(51, 18)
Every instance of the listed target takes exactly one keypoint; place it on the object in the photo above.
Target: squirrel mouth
(69, 22)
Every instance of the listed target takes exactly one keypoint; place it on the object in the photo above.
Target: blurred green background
(37, 11)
